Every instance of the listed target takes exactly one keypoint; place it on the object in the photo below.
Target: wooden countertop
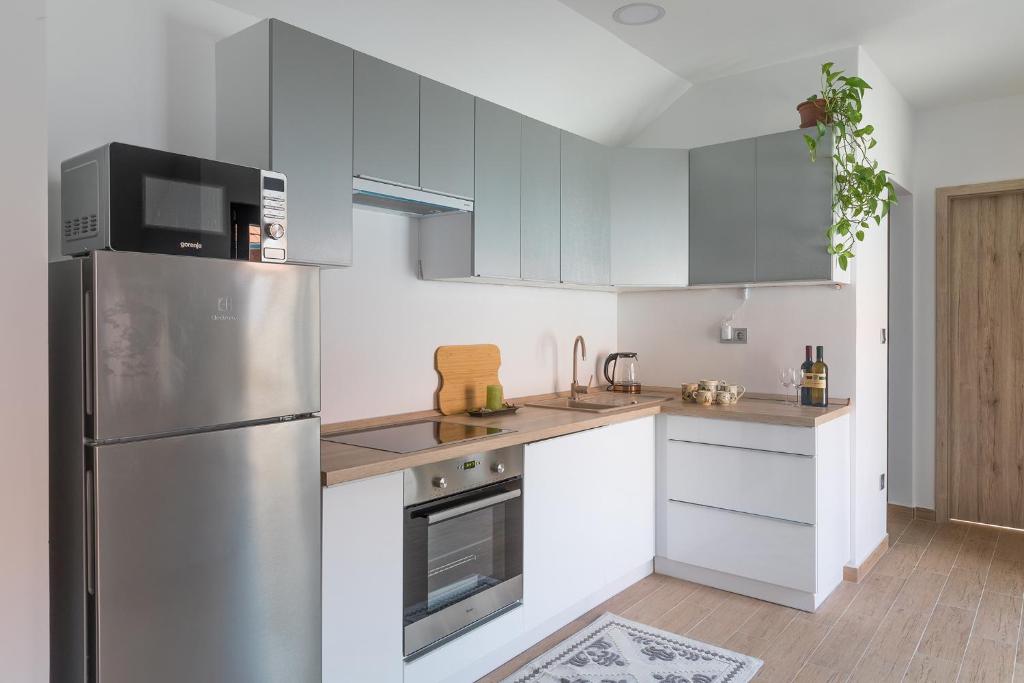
(340, 462)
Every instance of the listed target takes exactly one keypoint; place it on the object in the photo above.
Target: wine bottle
(816, 381)
(805, 391)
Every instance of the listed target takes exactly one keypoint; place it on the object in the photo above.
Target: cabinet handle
(89, 364)
(90, 534)
(741, 512)
(742, 448)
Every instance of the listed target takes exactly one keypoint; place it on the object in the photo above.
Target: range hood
(410, 201)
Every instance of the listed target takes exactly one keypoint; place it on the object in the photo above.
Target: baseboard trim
(780, 595)
(857, 574)
(926, 514)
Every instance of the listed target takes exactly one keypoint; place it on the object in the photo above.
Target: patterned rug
(616, 650)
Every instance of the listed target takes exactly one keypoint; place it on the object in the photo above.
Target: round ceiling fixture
(638, 13)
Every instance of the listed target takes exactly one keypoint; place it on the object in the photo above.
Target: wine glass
(790, 378)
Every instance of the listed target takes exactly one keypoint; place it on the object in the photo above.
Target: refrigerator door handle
(90, 534)
(89, 364)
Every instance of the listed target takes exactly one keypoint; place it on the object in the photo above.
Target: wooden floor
(943, 604)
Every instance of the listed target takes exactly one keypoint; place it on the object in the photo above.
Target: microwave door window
(189, 207)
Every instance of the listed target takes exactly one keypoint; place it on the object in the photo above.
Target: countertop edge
(333, 477)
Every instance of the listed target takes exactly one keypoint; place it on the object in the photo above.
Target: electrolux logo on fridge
(225, 309)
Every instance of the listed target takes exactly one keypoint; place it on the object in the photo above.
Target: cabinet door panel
(585, 212)
(446, 139)
(794, 208)
(649, 216)
(496, 230)
(311, 142)
(387, 120)
(540, 201)
(362, 571)
(722, 213)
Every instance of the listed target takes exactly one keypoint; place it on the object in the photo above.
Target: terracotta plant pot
(811, 112)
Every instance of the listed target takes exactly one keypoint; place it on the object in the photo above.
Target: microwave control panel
(273, 242)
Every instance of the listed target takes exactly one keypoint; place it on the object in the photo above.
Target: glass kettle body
(622, 372)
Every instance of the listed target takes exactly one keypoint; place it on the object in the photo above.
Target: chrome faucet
(576, 389)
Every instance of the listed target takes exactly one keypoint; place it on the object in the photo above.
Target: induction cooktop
(415, 436)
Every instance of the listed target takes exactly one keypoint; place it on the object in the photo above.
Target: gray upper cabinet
(496, 230)
(540, 201)
(446, 139)
(585, 233)
(387, 122)
(284, 102)
(794, 208)
(649, 217)
(723, 213)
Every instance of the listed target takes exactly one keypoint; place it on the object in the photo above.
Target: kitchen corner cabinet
(588, 516)
(649, 217)
(723, 213)
(540, 199)
(794, 208)
(284, 103)
(362, 580)
(386, 122)
(496, 212)
(757, 509)
(759, 210)
(586, 227)
(446, 139)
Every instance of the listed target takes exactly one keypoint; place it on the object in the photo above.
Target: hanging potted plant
(862, 193)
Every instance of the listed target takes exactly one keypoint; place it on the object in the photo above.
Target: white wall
(753, 103)
(887, 110)
(870, 416)
(676, 334)
(381, 326)
(24, 640)
(147, 78)
(130, 71)
(969, 143)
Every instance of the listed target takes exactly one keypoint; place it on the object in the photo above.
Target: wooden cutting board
(465, 371)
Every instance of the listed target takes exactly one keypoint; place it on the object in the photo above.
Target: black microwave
(129, 198)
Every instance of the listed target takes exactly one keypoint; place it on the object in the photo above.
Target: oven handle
(473, 506)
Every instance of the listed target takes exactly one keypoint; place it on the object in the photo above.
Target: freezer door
(183, 343)
(208, 557)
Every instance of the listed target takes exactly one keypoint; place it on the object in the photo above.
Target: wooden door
(980, 421)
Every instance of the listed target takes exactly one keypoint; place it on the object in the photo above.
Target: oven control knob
(275, 231)
(440, 483)
(498, 468)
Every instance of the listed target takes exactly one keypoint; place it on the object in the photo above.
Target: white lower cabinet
(362, 580)
(758, 509)
(588, 515)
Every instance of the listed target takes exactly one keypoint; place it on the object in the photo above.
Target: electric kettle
(622, 372)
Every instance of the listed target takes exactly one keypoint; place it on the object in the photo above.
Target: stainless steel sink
(599, 403)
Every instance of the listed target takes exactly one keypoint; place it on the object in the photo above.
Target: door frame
(944, 197)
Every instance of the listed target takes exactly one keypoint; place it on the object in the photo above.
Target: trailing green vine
(861, 191)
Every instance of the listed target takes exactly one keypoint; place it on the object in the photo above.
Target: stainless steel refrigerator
(184, 470)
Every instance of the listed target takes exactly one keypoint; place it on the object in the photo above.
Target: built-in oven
(129, 198)
(463, 545)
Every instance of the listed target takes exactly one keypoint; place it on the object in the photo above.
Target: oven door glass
(463, 560)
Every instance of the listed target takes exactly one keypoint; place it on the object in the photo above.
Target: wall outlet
(739, 336)
(881, 482)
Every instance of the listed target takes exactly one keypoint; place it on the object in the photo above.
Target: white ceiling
(934, 51)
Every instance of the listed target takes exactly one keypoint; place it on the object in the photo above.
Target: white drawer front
(764, 437)
(762, 482)
(758, 548)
